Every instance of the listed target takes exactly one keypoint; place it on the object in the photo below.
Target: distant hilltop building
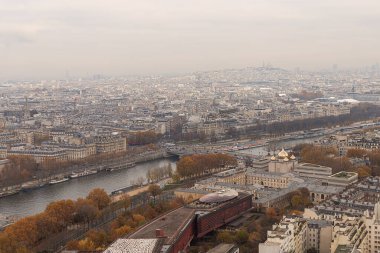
(282, 163)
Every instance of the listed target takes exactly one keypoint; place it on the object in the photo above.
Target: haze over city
(199, 126)
(45, 39)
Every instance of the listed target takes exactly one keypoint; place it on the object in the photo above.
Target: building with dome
(282, 163)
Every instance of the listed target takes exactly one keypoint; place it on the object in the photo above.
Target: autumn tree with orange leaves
(26, 233)
(200, 164)
(356, 152)
(325, 156)
(99, 197)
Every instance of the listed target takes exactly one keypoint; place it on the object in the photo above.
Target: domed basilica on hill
(282, 163)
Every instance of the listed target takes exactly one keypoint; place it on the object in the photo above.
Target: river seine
(35, 201)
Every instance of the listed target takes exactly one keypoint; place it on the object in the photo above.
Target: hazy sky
(46, 38)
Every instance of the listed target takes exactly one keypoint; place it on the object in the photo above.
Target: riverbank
(126, 163)
(32, 202)
(265, 143)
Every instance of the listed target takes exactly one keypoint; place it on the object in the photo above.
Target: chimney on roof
(160, 233)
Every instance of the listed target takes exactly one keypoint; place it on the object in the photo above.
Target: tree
(119, 232)
(241, 236)
(356, 152)
(225, 237)
(149, 212)
(61, 213)
(86, 245)
(296, 201)
(169, 170)
(126, 201)
(46, 225)
(85, 210)
(364, 171)
(19, 169)
(255, 236)
(305, 193)
(138, 218)
(176, 178)
(177, 202)
(186, 166)
(201, 164)
(99, 197)
(154, 190)
(8, 245)
(143, 138)
(325, 156)
(149, 175)
(271, 212)
(72, 245)
(24, 231)
(97, 237)
(140, 181)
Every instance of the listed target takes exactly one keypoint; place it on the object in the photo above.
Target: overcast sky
(48, 38)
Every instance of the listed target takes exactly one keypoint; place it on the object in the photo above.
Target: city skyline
(46, 40)
(213, 126)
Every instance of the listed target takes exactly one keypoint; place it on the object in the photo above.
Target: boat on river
(9, 192)
(32, 185)
(120, 167)
(58, 180)
(83, 173)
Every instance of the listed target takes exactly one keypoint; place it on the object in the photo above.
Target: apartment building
(318, 233)
(290, 235)
(372, 224)
(105, 144)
